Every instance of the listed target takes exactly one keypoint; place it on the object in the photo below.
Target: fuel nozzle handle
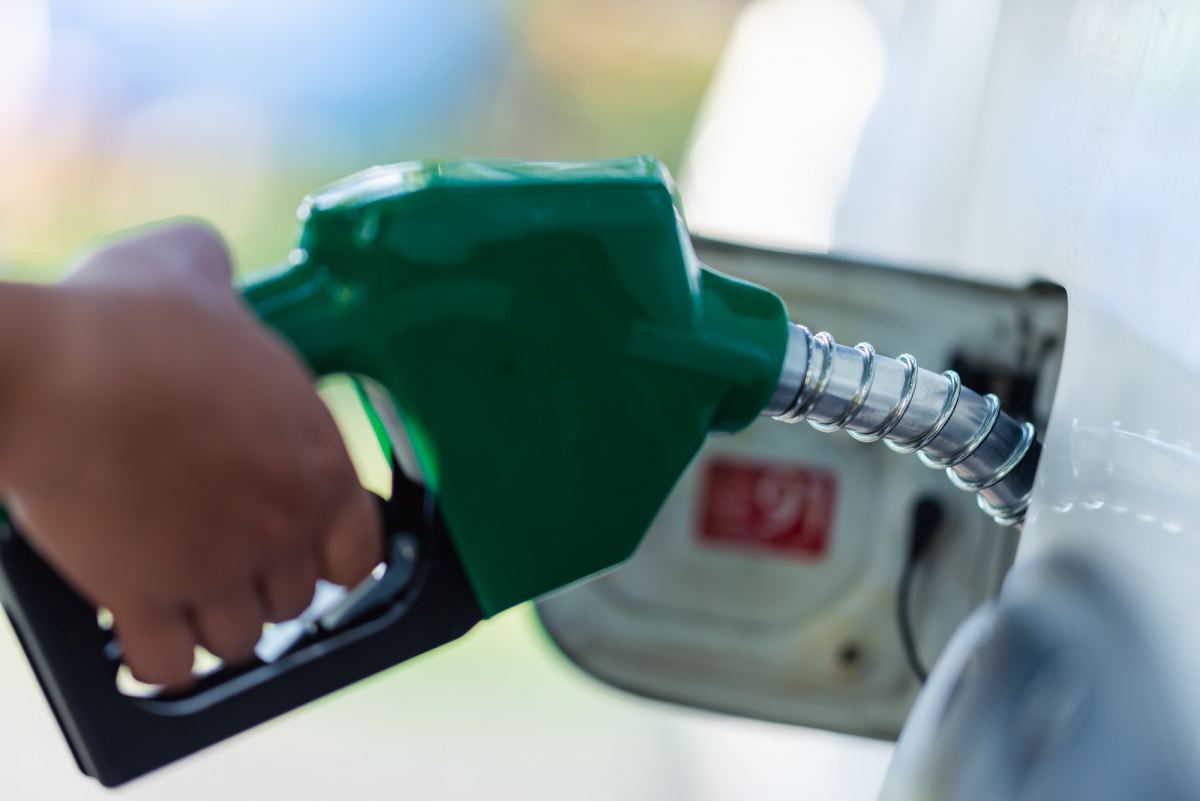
(913, 410)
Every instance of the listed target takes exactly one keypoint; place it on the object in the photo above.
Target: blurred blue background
(115, 113)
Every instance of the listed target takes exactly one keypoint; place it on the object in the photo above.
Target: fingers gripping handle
(422, 600)
(116, 738)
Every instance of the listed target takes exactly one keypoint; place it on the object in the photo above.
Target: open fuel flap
(810, 579)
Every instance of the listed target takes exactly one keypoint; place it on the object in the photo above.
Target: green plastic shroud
(557, 353)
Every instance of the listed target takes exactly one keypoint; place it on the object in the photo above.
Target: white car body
(1010, 141)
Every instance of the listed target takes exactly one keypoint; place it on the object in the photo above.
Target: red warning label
(777, 507)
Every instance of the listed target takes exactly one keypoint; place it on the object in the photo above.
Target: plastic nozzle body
(554, 348)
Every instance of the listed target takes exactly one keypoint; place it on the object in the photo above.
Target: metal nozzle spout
(913, 410)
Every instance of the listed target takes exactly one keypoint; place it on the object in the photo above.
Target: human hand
(169, 456)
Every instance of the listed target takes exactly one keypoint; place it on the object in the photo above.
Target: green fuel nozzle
(554, 348)
(557, 355)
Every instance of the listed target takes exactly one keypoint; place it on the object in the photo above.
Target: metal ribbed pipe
(913, 410)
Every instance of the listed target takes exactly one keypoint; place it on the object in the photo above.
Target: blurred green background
(118, 113)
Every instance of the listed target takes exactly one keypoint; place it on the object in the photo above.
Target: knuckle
(280, 526)
(200, 240)
(210, 572)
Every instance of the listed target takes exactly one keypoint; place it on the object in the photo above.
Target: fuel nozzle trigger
(417, 599)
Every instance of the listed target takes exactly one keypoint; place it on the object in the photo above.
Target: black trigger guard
(116, 738)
